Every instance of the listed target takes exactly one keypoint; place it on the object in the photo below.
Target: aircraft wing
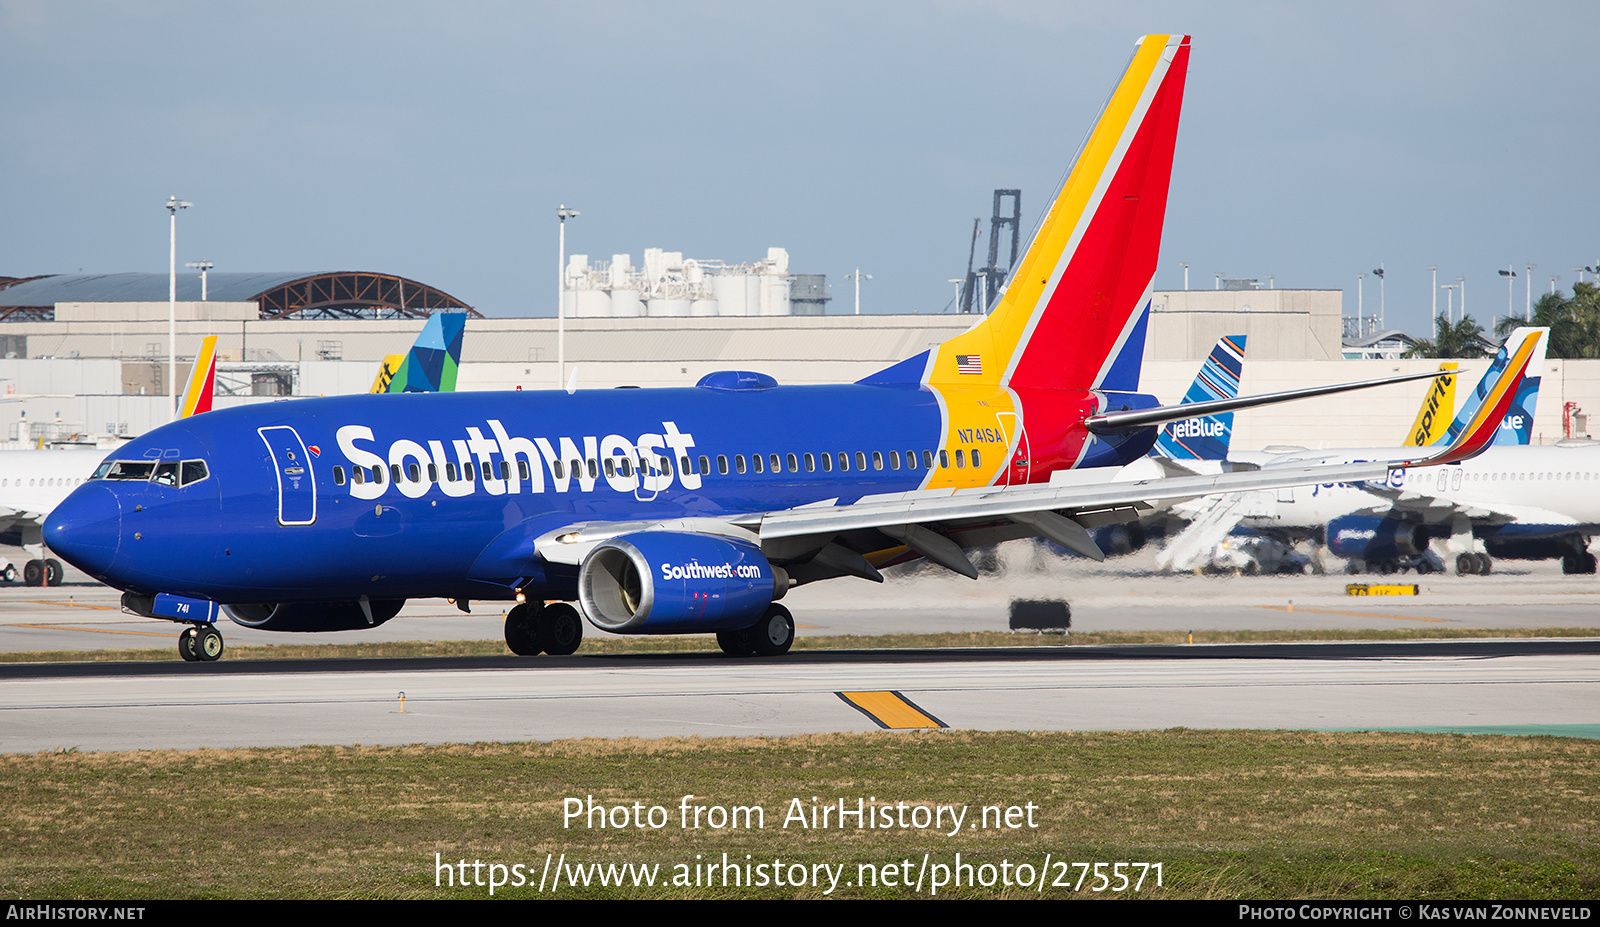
(835, 538)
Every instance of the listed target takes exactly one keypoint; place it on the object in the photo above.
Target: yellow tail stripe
(198, 375)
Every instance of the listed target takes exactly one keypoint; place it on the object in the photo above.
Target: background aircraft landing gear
(45, 572)
(1473, 564)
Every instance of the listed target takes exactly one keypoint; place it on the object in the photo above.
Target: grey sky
(436, 140)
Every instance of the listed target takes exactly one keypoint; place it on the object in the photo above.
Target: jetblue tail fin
(1517, 425)
(202, 383)
(434, 359)
(1207, 438)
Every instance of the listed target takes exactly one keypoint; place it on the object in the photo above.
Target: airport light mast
(1527, 283)
(201, 265)
(563, 214)
(1435, 269)
(1382, 308)
(1511, 287)
(858, 276)
(173, 205)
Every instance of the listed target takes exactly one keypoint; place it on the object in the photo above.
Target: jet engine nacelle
(665, 582)
(1369, 537)
(313, 616)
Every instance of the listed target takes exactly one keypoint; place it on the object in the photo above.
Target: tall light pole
(1383, 314)
(1450, 301)
(1461, 282)
(1553, 279)
(202, 265)
(1527, 284)
(1219, 279)
(173, 205)
(1434, 268)
(1511, 286)
(1361, 315)
(1185, 266)
(562, 214)
(858, 276)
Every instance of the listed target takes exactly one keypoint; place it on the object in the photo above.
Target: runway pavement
(163, 706)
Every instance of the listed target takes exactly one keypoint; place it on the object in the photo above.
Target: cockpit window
(194, 471)
(131, 470)
(165, 473)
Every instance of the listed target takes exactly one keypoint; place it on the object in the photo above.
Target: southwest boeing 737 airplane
(688, 510)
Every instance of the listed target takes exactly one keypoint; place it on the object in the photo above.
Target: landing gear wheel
(10, 573)
(1352, 567)
(1485, 564)
(520, 636)
(208, 645)
(186, 645)
(52, 570)
(736, 643)
(1586, 562)
(33, 573)
(774, 633)
(560, 629)
(1466, 563)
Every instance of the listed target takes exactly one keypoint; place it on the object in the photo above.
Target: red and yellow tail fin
(202, 380)
(1077, 294)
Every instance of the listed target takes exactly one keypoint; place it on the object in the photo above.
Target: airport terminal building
(84, 357)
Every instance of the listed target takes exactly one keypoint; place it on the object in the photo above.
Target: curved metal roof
(327, 294)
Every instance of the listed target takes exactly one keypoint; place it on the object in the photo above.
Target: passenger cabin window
(722, 464)
(844, 462)
(827, 463)
(559, 469)
(451, 474)
(522, 470)
(861, 460)
(338, 476)
(738, 462)
(794, 465)
(433, 473)
(394, 472)
(414, 472)
(961, 458)
(894, 460)
(975, 457)
(377, 474)
(776, 465)
(944, 458)
(759, 461)
(927, 460)
(877, 460)
(811, 463)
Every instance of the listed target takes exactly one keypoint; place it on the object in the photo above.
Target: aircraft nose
(86, 528)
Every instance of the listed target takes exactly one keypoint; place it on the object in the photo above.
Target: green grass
(1232, 815)
(703, 643)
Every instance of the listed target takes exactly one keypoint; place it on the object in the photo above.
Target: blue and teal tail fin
(1207, 438)
(433, 362)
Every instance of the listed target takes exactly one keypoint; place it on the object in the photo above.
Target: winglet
(202, 380)
(1523, 349)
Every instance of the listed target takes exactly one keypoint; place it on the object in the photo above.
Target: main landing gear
(200, 644)
(1473, 564)
(772, 636)
(533, 628)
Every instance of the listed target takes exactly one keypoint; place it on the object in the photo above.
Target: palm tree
(1462, 339)
(1574, 322)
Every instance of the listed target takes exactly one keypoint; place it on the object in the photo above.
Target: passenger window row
(627, 466)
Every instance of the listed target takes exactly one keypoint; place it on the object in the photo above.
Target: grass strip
(1230, 814)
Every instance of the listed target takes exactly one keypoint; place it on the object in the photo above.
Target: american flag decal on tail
(969, 363)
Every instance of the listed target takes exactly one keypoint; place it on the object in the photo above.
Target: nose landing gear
(200, 644)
